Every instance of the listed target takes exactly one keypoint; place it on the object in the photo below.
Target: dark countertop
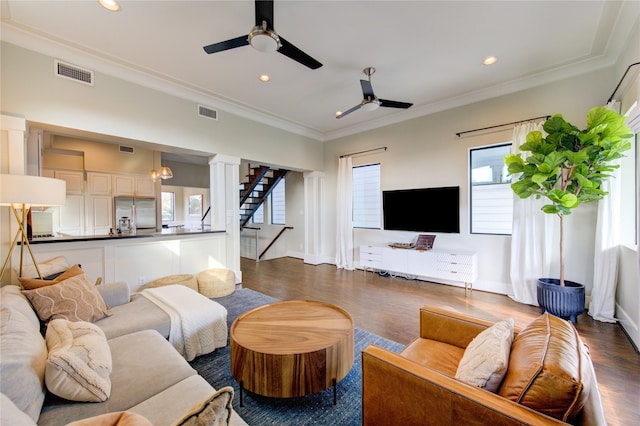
(144, 233)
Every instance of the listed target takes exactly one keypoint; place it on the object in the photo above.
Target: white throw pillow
(485, 361)
(79, 361)
(51, 266)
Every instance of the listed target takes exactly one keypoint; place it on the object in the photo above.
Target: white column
(313, 218)
(225, 206)
(13, 160)
(13, 155)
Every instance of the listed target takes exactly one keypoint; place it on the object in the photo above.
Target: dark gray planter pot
(562, 301)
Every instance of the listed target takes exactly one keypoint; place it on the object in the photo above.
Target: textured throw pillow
(51, 266)
(79, 361)
(213, 411)
(119, 418)
(33, 283)
(74, 299)
(548, 369)
(485, 360)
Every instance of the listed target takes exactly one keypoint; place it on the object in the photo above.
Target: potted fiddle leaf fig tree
(568, 167)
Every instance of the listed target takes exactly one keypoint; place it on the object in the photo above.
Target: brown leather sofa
(418, 387)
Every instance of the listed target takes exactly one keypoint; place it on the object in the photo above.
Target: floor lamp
(21, 192)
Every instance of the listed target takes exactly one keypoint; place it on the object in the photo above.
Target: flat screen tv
(422, 210)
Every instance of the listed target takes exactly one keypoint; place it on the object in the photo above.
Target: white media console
(441, 266)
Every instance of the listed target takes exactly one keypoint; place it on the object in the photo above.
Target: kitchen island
(137, 258)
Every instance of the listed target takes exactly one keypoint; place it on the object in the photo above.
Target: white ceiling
(426, 52)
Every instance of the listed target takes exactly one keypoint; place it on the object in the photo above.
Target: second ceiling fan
(263, 37)
(370, 101)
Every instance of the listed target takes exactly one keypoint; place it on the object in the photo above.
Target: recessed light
(490, 60)
(111, 5)
(264, 78)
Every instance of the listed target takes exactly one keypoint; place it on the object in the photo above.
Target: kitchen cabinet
(99, 214)
(73, 178)
(145, 187)
(138, 186)
(99, 183)
(123, 185)
(69, 219)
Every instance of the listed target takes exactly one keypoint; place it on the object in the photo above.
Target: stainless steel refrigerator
(138, 212)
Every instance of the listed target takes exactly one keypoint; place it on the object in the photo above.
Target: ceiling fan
(370, 102)
(263, 37)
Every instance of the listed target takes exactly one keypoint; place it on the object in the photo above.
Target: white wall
(121, 109)
(425, 152)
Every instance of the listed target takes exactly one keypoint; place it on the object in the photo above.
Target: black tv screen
(422, 210)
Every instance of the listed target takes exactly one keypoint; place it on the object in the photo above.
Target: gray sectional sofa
(148, 377)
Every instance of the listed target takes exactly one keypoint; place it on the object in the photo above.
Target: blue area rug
(316, 409)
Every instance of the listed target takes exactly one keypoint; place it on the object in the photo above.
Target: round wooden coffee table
(291, 348)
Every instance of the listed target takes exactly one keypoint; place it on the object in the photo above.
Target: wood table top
(292, 326)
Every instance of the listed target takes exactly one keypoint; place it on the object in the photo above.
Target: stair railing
(272, 242)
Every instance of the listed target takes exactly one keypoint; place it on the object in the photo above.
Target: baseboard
(629, 325)
(318, 259)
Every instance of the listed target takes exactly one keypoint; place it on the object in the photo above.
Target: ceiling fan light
(371, 105)
(111, 5)
(264, 41)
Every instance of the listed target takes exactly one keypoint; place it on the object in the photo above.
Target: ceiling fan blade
(228, 44)
(367, 89)
(394, 104)
(349, 111)
(297, 55)
(264, 12)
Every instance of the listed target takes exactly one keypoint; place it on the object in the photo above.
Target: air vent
(207, 112)
(73, 72)
(127, 149)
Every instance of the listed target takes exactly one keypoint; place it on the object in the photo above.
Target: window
(168, 206)
(366, 196)
(278, 209)
(491, 194)
(628, 195)
(258, 216)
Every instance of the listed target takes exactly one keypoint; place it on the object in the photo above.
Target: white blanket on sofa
(198, 324)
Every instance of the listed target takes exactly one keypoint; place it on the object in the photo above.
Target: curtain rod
(363, 152)
(502, 125)
(621, 80)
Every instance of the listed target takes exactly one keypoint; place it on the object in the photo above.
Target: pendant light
(165, 173)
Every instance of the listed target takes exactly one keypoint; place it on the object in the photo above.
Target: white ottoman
(216, 282)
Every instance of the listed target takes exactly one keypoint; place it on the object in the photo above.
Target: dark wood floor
(389, 307)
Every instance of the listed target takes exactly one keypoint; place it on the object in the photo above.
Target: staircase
(261, 181)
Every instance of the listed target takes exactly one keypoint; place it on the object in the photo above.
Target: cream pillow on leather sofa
(79, 361)
(485, 360)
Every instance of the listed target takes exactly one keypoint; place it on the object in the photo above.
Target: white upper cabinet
(99, 183)
(145, 187)
(123, 185)
(74, 180)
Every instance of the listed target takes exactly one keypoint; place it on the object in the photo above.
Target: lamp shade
(32, 190)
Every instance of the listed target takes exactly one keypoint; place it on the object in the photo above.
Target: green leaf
(550, 208)
(576, 157)
(569, 201)
(556, 195)
(583, 181)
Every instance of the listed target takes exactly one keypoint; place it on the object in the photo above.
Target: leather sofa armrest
(115, 294)
(397, 391)
(450, 327)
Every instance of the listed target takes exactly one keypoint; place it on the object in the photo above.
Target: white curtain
(605, 260)
(531, 235)
(344, 219)
(602, 306)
